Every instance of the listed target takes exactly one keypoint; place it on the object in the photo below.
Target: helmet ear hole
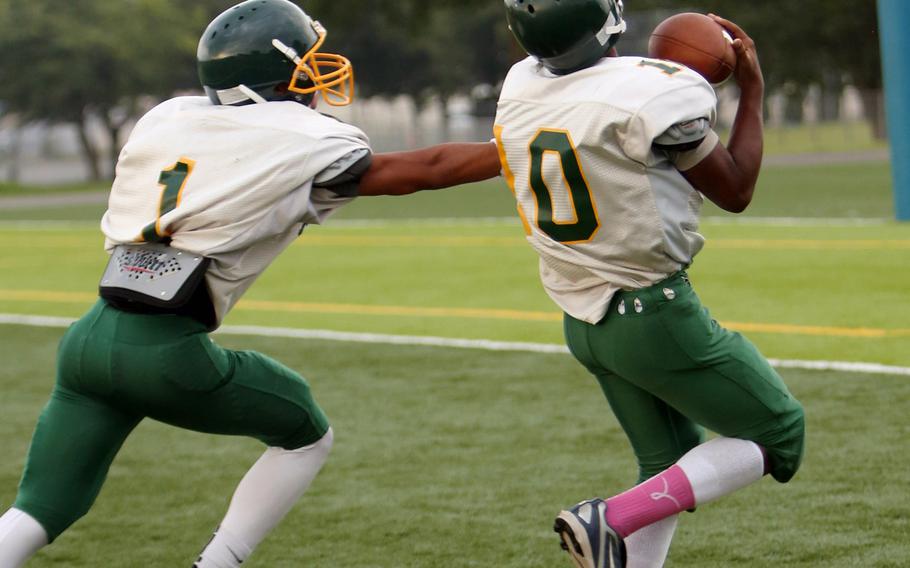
(282, 92)
(304, 82)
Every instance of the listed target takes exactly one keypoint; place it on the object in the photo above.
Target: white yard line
(483, 344)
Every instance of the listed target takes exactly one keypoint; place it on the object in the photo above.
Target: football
(696, 41)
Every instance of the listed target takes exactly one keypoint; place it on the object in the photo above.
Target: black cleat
(586, 536)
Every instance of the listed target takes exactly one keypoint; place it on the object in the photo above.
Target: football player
(609, 159)
(208, 191)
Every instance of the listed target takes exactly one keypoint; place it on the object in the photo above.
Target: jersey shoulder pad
(683, 135)
(674, 105)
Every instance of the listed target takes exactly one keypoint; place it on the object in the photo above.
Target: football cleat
(586, 536)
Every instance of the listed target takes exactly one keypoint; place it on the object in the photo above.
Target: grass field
(450, 458)
(457, 458)
(821, 137)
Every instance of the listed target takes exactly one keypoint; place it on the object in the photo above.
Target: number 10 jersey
(603, 208)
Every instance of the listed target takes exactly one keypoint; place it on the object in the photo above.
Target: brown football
(696, 41)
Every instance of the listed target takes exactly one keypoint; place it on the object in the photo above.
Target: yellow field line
(468, 241)
(409, 241)
(789, 329)
(810, 244)
(329, 308)
(469, 313)
(311, 307)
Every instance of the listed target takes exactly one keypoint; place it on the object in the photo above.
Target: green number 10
(585, 223)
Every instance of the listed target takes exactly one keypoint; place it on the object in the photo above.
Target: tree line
(68, 62)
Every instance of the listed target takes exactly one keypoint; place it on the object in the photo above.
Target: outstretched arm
(727, 175)
(436, 167)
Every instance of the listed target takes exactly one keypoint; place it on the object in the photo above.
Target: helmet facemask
(240, 61)
(329, 74)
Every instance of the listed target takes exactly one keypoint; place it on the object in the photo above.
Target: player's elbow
(740, 198)
(733, 206)
(732, 194)
(737, 205)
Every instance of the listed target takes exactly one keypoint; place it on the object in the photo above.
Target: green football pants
(115, 368)
(668, 369)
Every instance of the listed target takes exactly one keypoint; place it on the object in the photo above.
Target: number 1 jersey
(603, 208)
(235, 184)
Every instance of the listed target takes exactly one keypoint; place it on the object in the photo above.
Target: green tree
(69, 61)
(418, 48)
(829, 43)
(74, 61)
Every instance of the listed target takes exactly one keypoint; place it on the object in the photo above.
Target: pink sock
(665, 494)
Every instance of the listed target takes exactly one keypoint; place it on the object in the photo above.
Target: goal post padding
(894, 34)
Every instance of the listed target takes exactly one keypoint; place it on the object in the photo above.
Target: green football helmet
(267, 50)
(566, 35)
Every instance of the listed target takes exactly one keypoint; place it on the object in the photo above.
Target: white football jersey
(234, 184)
(604, 210)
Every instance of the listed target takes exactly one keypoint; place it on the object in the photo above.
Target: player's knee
(315, 454)
(324, 444)
(305, 425)
(56, 503)
(798, 436)
(53, 518)
(786, 452)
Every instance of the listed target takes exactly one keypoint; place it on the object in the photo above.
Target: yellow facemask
(331, 75)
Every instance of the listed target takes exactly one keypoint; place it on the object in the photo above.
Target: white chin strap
(609, 29)
(251, 94)
(239, 94)
(286, 50)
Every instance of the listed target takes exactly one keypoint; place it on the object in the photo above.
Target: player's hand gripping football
(748, 71)
(728, 175)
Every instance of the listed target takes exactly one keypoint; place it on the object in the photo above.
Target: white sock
(21, 536)
(648, 546)
(265, 495)
(225, 550)
(721, 466)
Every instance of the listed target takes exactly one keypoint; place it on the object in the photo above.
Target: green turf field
(456, 458)
(450, 458)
